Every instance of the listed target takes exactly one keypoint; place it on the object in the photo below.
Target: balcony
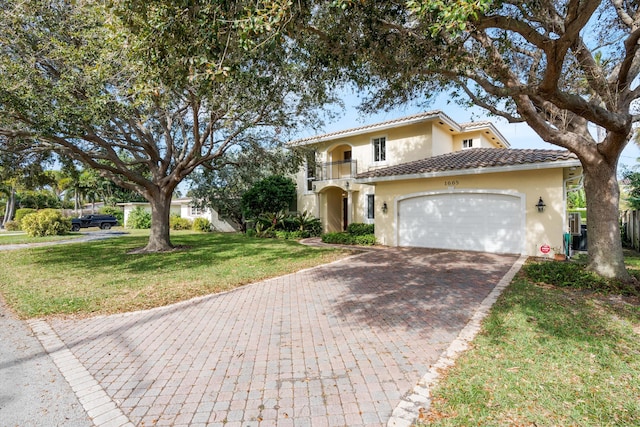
(343, 169)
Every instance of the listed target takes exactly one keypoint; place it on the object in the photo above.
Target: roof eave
(472, 171)
(435, 115)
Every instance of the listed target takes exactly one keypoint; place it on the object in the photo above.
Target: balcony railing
(343, 169)
(337, 170)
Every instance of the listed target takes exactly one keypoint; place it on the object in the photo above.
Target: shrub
(308, 224)
(365, 240)
(12, 226)
(290, 235)
(360, 229)
(139, 218)
(574, 275)
(201, 224)
(45, 222)
(338, 238)
(176, 222)
(349, 239)
(272, 194)
(21, 213)
(113, 210)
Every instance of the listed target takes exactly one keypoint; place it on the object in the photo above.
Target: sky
(519, 135)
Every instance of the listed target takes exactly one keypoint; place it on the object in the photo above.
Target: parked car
(105, 222)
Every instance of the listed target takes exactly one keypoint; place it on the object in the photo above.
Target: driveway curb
(102, 410)
(413, 406)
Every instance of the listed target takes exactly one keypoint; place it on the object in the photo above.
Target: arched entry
(335, 210)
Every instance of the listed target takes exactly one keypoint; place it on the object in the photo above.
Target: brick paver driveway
(334, 345)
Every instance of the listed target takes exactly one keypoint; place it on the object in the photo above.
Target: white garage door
(467, 221)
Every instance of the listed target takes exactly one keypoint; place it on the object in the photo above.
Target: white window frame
(309, 181)
(195, 211)
(467, 143)
(375, 141)
(370, 207)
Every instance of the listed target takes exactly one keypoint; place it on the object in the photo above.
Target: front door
(345, 213)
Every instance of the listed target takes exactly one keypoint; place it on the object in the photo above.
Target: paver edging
(95, 401)
(418, 401)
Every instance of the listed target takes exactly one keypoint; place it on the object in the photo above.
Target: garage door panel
(473, 221)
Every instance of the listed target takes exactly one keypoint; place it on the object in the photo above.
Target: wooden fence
(630, 228)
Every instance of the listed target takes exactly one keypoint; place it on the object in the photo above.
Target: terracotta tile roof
(416, 117)
(471, 159)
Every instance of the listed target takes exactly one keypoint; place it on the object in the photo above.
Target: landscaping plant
(45, 222)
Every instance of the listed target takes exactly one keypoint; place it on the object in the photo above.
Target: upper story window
(379, 149)
(311, 169)
(467, 143)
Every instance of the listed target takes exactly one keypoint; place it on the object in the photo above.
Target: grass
(547, 356)
(11, 238)
(100, 277)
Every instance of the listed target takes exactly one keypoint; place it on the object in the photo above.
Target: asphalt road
(32, 390)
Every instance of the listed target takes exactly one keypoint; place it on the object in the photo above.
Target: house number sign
(449, 183)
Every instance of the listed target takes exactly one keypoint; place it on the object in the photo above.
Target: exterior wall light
(540, 205)
(384, 207)
(347, 185)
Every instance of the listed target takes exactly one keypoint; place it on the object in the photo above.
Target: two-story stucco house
(428, 181)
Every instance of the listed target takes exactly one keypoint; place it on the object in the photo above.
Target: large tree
(567, 68)
(144, 92)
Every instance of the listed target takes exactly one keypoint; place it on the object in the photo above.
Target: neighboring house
(428, 181)
(184, 208)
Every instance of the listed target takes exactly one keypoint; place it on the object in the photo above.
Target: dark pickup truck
(105, 222)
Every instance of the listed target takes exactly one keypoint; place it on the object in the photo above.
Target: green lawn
(100, 277)
(15, 238)
(547, 356)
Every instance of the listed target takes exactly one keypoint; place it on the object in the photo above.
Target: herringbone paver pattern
(330, 346)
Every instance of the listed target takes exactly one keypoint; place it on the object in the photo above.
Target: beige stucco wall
(540, 228)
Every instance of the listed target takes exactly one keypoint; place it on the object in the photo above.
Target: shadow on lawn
(203, 250)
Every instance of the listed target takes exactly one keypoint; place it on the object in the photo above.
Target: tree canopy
(567, 68)
(145, 92)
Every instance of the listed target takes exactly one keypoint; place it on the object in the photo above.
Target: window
(371, 199)
(195, 211)
(311, 170)
(467, 143)
(379, 149)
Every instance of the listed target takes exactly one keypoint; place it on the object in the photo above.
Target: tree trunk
(159, 240)
(603, 231)
(9, 210)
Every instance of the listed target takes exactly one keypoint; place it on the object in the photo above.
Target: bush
(574, 275)
(360, 229)
(113, 210)
(308, 224)
(45, 222)
(12, 226)
(202, 224)
(139, 218)
(338, 238)
(176, 222)
(365, 240)
(349, 239)
(291, 235)
(21, 213)
(272, 194)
